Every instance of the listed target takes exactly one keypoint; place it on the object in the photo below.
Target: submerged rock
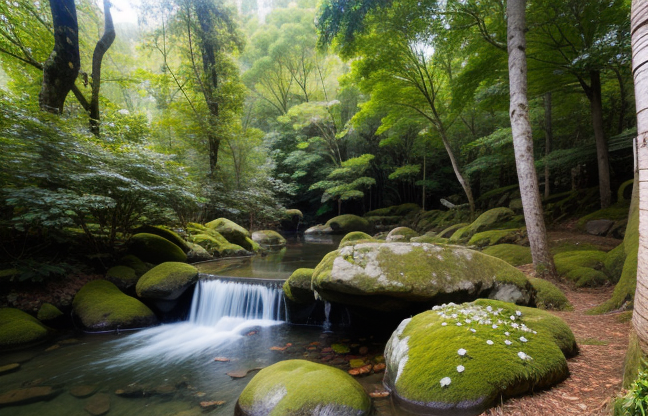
(298, 387)
(155, 249)
(19, 329)
(98, 405)
(101, 306)
(461, 359)
(390, 276)
(166, 281)
(28, 395)
(84, 391)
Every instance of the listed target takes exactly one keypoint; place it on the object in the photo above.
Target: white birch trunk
(523, 140)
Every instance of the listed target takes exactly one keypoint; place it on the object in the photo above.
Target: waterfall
(216, 299)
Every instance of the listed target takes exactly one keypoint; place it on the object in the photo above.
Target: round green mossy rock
(233, 232)
(354, 237)
(290, 213)
(197, 253)
(165, 233)
(48, 312)
(344, 224)
(122, 276)
(18, 329)
(155, 249)
(549, 296)
(448, 232)
(390, 276)
(401, 234)
(298, 286)
(493, 237)
(299, 388)
(268, 238)
(461, 359)
(101, 306)
(166, 281)
(135, 263)
(511, 253)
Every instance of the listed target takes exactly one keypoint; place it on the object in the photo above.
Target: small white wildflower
(534, 332)
(518, 313)
(507, 334)
(507, 342)
(523, 356)
(458, 323)
(444, 324)
(473, 330)
(489, 342)
(494, 326)
(445, 381)
(460, 369)
(523, 339)
(461, 352)
(454, 315)
(436, 307)
(514, 325)
(452, 304)
(489, 308)
(512, 318)
(468, 321)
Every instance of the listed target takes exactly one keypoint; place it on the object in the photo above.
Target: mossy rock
(393, 276)
(48, 312)
(582, 267)
(429, 239)
(549, 296)
(511, 253)
(461, 235)
(354, 237)
(101, 306)
(123, 277)
(197, 253)
(18, 330)
(299, 388)
(448, 232)
(167, 281)
(292, 213)
(233, 232)
(154, 249)
(135, 263)
(298, 286)
(395, 210)
(344, 224)
(613, 213)
(268, 238)
(401, 234)
(489, 220)
(586, 277)
(383, 222)
(165, 233)
(251, 245)
(493, 237)
(449, 369)
(218, 246)
(319, 229)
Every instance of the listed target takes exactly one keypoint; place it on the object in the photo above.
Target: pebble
(98, 405)
(83, 391)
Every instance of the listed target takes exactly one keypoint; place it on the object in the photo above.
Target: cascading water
(221, 312)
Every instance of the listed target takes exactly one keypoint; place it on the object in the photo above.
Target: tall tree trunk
(639, 30)
(602, 158)
(548, 142)
(97, 57)
(523, 140)
(62, 67)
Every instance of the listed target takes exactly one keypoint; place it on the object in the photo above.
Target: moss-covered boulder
(582, 267)
(395, 210)
(492, 219)
(136, 264)
(291, 213)
(123, 277)
(319, 229)
(493, 237)
(298, 286)
(401, 234)
(20, 330)
(48, 312)
(393, 276)
(218, 246)
(154, 249)
(356, 237)
(462, 359)
(449, 231)
(197, 253)
(511, 253)
(268, 238)
(165, 233)
(299, 388)
(233, 232)
(101, 306)
(167, 281)
(344, 224)
(549, 296)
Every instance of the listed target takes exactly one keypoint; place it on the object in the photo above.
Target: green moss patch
(395, 210)
(489, 220)
(135, 263)
(100, 306)
(354, 237)
(217, 245)
(511, 253)
(290, 213)
(344, 224)
(122, 276)
(166, 281)
(582, 267)
(549, 296)
(19, 329)
(468, 356)
(298, 387)
(233, 232)
(48, 312)
(155, 249)
(614, 213)
(165, 233)
(402, 234)
(298, 286)
(448, 232)
(493, 237)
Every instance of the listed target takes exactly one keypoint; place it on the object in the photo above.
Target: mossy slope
(299, 388)
(19, 329)
(423, 351)
(511, 253)
(166, 281)
(493, 237)
(582, 267)
(549, 296)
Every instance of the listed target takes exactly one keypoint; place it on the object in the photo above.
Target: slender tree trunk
(523, 140)
(548, 141)
(462, 181)
(639, 30)
(62, 67)
(424, 167)
(602, 157)
(97, 57)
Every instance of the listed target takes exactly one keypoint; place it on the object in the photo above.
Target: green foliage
(347, 182)
(635, 403)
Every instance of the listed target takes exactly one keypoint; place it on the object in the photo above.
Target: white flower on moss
(444, 324)
(436, 307)
(507, 334)
(524, 356)
(468, 321)
(489, 308)
(515, 325)
(473, 330)
(461, 352)
(494, 326)
(489, 342)
(523, 339)
(445, 381)
(534, 332)
(460, 369)
(454, 315)
(512, 318)
(507, 342)
(518, 313)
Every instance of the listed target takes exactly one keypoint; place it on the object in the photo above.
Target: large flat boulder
(462, 359)
(390, 276)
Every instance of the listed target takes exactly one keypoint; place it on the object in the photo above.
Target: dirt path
(596, 372)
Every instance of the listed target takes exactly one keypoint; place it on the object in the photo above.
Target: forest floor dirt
(596, 372)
